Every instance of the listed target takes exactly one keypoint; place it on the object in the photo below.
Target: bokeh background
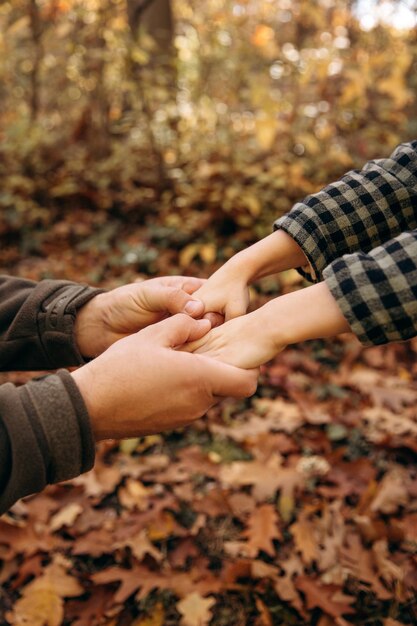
(203, 122)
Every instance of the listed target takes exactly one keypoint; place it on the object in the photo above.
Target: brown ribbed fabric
(45, 433)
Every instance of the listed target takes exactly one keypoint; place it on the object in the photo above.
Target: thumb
(227, 380)
(181, 329)
(177, 300)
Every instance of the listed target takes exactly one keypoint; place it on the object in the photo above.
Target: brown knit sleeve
(45, 436)
(37, 323)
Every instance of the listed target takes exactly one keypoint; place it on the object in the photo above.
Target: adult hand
(143, 385)
(125, 310)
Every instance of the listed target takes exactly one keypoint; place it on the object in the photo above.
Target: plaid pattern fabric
(377, 292)
(360, 235)
(358, 212)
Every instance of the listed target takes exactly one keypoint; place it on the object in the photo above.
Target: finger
(226, 380)
(236, 308)
(173, 300)
(215, 319)
(189, 284)
(192, 346)
(181, 329)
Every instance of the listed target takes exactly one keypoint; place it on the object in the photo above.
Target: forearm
(310, 313)
(276, 253)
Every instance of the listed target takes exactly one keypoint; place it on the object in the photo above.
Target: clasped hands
(168, 348)
(139, 381)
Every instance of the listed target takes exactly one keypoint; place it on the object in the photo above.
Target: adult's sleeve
(45, 436)
(377, 292)
(37, 323)
(361, 211)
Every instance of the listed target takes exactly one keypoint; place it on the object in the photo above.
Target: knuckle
(174, 296)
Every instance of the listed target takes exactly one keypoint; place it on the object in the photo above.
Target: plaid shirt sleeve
(377, 292)
(361, 211)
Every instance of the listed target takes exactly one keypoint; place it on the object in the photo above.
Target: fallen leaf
(133, 495)
(195, 610)
(266, 477)
(392, 492)
(140, 546)
(262, 530)
(360, 564)
(42, 603)
(388, 570)
(305, 539)
(87, 611)
(329, 598)
(66, 516)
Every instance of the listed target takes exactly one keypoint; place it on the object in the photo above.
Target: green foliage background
(256, 104)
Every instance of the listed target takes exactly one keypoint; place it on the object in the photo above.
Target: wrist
(87, 389)
(239, 268)
(89, 327)
(273, 254)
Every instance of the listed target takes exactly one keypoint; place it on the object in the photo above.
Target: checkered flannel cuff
(377, 292)
(359, 212)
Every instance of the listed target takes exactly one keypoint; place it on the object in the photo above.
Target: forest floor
(297, 506)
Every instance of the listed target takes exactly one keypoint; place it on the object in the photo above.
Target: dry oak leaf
(329, 598)
(379, 422)
(331, 531)
(95, 543)
(195, 610)
(348, 478)
(305, 540)
(266, 477)
(285, 586)
(185, 550)
(99, 481)
(29, 568)
(359, 563)
(86, 612)
(140, 546)
(263, 528)
(145, 580)
(389, 571)
(130, 580)
(42, 602)
(133, 495)
(65, 517)
(27, 539)
(392, 492)
(279, 414)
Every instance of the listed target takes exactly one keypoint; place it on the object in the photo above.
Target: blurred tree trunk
(156, 18)
(158, 76)
(36, 35)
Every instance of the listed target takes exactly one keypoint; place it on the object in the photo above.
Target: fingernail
(193, 306)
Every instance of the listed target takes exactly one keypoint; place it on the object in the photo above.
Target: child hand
(226, 292)
(244, 342)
